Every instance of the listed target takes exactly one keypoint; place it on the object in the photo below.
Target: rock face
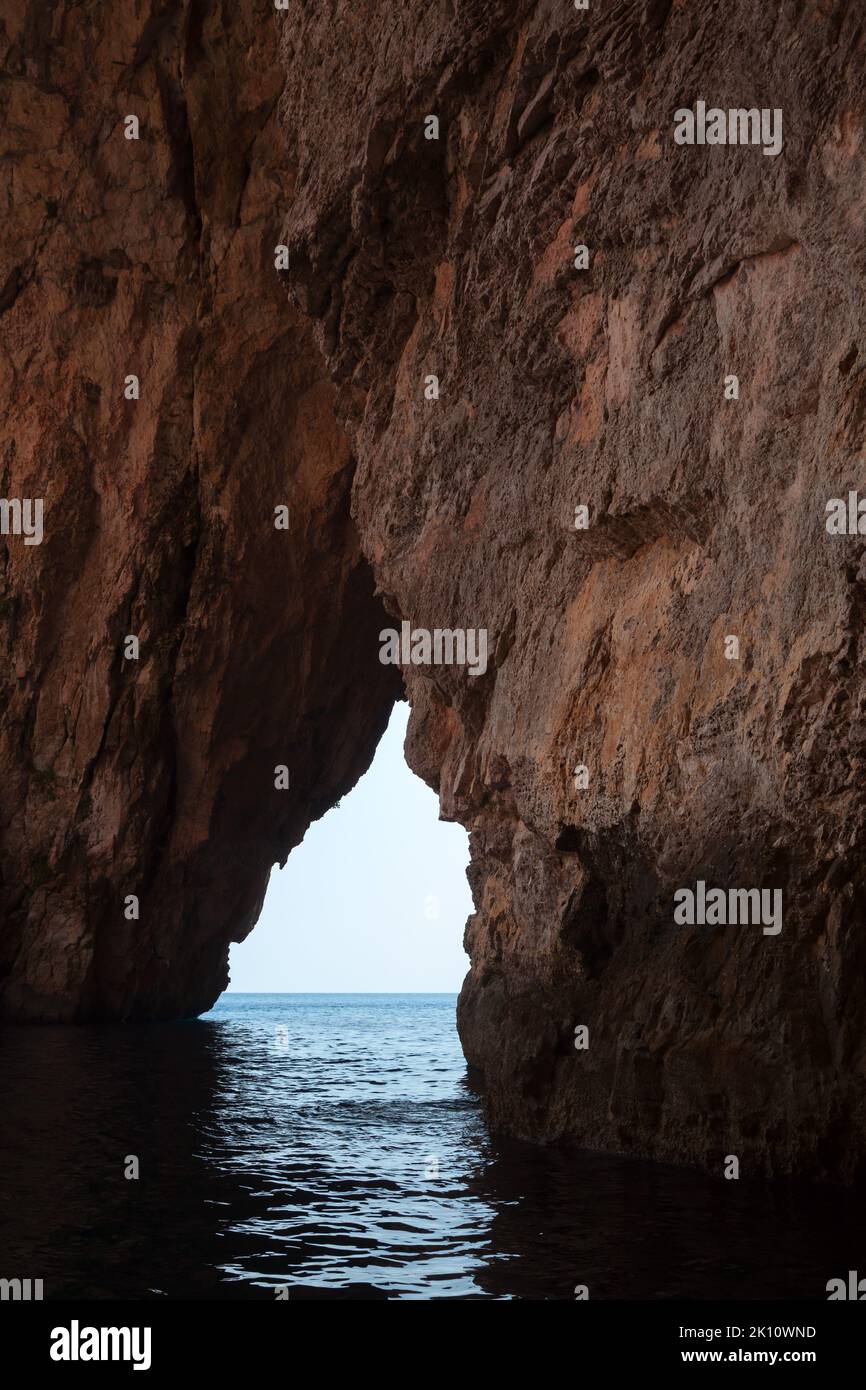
(736, 764)
(156, 778)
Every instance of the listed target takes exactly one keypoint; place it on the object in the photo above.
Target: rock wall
(155, 777)
(605, 387)
(559, 387)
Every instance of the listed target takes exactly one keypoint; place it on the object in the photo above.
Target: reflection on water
(331, 1143)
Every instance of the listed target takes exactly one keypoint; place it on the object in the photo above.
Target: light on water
(329, 1144)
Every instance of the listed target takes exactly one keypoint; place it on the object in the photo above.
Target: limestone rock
(559, 387)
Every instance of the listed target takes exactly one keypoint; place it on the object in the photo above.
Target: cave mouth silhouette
(373, 900)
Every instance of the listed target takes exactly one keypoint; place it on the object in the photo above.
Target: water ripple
(332, 1145)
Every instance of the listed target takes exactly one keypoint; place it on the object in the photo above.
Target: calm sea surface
(331, 1143)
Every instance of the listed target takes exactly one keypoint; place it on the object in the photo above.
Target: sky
(375, 898)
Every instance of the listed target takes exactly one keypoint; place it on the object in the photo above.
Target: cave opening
(374, 899)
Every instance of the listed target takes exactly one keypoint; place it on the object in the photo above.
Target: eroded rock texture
(559, 387)
(155, 257)
(606, 388)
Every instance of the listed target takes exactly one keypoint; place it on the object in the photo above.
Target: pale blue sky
(375, 899)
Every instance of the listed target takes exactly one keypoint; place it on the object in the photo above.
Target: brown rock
(558, 388)
(155, 777)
